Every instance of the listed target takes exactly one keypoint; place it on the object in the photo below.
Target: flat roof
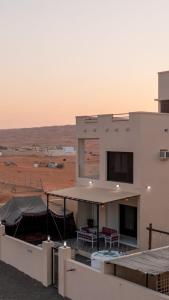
(153, 262)
(161, 99)
(93, 194)
(161, 72)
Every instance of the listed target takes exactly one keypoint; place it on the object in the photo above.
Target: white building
(69, 150)
(131, 189)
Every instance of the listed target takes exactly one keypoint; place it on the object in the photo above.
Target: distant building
(60, 152)
(69, 150)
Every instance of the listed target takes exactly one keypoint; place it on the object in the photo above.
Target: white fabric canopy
(93, 194)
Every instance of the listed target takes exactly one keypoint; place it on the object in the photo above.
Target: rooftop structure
(163, 92)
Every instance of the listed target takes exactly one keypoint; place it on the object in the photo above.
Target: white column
(102, 218)
(47, 262)
(80, 158)
(64, 254)
(106, 268)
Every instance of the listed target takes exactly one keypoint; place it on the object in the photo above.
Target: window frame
(114, 176)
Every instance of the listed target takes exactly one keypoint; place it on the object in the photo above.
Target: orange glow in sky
(74, 57)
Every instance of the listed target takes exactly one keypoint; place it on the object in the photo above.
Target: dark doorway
(128, 220)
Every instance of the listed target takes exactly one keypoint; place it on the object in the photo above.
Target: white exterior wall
(86, 283)
(29, 259)
(112, 212)
(125, 139)
(84, 212)
(26, 258)
(144, 135)
(81, 282)
(154, 172)
(163, 86)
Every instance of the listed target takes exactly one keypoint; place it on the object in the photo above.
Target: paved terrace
(15, 285)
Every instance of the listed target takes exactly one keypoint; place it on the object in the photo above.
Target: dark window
(120, 166)
(165, 106)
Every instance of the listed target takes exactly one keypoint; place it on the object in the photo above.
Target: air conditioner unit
(164, 154)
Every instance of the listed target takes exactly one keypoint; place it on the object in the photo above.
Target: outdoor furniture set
(88, 234)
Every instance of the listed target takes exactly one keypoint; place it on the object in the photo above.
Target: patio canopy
(93, 194)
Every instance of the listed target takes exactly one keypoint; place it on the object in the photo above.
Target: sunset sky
(61, 58)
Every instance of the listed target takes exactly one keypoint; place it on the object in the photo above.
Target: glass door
(128, 220)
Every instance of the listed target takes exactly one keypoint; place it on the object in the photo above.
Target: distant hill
(52, 135)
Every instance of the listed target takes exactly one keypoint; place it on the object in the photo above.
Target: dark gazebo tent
(29, 218)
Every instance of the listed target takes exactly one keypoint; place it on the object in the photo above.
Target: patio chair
(84, 235)
(111, 236)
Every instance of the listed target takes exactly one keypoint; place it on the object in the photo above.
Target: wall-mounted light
(90, 182)
(102, 206)
(64, 244)
(117, 186)
(148, 187)
(48, 238)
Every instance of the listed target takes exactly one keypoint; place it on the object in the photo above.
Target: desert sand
(23, 178)
(52, 135)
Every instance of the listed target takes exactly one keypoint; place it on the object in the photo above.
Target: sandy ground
(51, 135)
(24, 178)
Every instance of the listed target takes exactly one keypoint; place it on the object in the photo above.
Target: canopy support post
(98, 240)
(47, 220)
(17, 228)
(64, 209)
